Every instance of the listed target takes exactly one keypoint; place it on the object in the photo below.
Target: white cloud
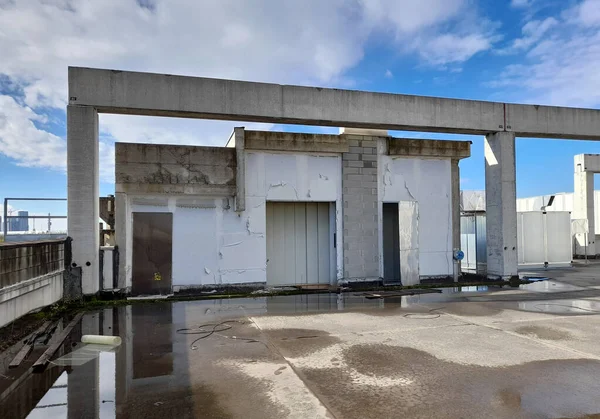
(308, 42)
(532, 32)
(588, 13)
(388, 74)
(452, 48)
(562, 69)
(521, 3)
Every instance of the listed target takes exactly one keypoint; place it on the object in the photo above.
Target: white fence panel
(558, 238)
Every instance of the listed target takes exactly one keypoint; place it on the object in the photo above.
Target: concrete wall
(31, 277)
(151, 168)
(428, 182)
(213, 244)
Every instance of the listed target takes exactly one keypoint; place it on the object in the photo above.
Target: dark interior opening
(391, 243)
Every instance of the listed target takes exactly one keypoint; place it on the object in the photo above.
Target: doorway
(300, 243)
(152, 253)
(391, 243)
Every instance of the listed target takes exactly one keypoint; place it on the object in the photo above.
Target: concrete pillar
(240, 178)
(359, 191)
(121, 232)
(83, 192)
(583, 206)
(501, 205)
(455, 187)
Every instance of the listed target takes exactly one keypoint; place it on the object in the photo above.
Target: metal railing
(46, 217)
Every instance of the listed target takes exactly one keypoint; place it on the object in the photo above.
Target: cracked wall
(428, 182)
(215, 245)
(151, 168)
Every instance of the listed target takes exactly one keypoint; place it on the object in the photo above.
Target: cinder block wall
(359, 183)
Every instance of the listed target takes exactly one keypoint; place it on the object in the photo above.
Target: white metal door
(299, 243)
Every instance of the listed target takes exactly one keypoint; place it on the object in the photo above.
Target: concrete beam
(501, 205)
(83, 192)
(289, 141)
(429, 148)
(125, 92)
(553, 122)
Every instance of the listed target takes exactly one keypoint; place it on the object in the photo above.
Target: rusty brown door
(152, 253)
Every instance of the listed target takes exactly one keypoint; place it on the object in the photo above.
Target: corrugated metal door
(299, 243)
(152, 253)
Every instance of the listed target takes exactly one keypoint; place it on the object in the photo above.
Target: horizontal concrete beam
(288, 141)
(587, 163)
(553, 122)
(429, 148)
(124, 92)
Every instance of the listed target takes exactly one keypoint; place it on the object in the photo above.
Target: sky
(530, 51)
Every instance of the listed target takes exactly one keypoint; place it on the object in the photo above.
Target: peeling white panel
(194, 251)
(408, 220)
(428, 182)
(293, 177)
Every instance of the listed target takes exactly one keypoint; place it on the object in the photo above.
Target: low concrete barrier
(31, 276)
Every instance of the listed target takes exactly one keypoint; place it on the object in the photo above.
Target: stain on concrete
(436, 388)
(470, 309)
(543, 332)
(294, 343)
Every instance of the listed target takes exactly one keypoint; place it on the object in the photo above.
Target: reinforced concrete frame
(93, 91)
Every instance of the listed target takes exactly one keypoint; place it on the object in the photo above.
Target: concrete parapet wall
(289, 141)
(429, 148)
(31, 277)
(150, 168)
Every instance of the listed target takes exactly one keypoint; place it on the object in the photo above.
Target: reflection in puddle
(154, 361)
(561, 306)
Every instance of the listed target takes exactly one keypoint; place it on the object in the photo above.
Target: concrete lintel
(172, 189)
(429, 148)
(300, 142)
(240, 174)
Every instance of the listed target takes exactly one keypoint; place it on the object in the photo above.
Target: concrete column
(359, 191)
(240, 178)
(583, 206)
(121, 232)
(455, 187)
(83, 192)
(501, 205)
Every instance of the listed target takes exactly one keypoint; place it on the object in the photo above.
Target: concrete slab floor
(524, 353)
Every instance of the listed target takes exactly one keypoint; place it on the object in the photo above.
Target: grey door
(152, 253)
(299, 243)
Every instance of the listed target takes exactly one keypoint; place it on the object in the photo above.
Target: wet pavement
(532, 352)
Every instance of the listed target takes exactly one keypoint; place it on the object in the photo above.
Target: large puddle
(160, 370)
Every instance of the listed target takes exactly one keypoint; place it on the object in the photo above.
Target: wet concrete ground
(532, 352)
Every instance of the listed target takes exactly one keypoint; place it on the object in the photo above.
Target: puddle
(549, 285)
(427, 387)
(576, 307)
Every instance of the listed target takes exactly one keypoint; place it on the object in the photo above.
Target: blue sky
(532, 51)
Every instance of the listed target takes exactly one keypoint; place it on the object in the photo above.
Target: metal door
(299, 243)
(152, 253)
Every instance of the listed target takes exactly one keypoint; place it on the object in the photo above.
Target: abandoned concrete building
(277, 208)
